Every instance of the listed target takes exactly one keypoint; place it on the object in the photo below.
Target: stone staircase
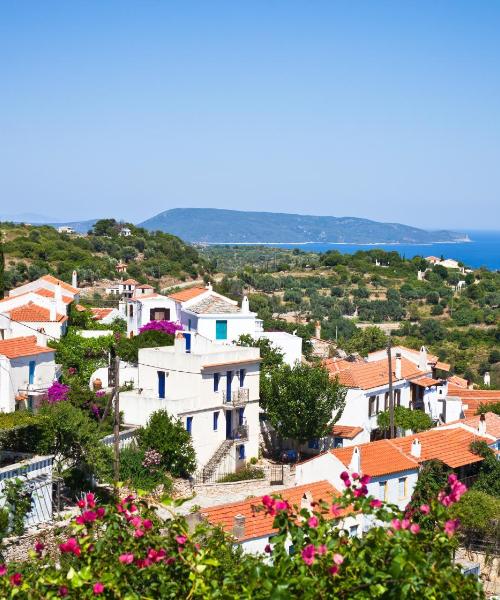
(206, 473)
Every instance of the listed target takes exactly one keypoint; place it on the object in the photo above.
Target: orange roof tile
(63, 284)
(348, 432)
(50, 294)
(22, 346)
(188, 294)
(335, 365)
(100, 313)
(378, 458)
(492, 423)
(144, 286)
(473, 398)
(426, 381)
(460, 381)
(442, 366)
(130, 282)
(33, 313)
(259, 524)
(367, 375)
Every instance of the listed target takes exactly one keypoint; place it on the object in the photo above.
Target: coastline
(464, 241)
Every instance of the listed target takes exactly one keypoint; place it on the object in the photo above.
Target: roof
(101, 313)
(367, 375)
(473, 398)
(426, 381)
(22, 346)
(259, 524)
(130, 282)
(49, 294)
(348, 432)
(33, 313)
(232, 362)
(378, 458)
(492, 423)
(451, 446)
(214, 305)
(335, 365)
(431, 358)
(145, 286)
(188, 294)
(63, 284)
(460, 381)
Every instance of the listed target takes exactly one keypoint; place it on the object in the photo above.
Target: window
(353, 531)
(32, 365)
(313, 444)
(221, 330)
(397, 397)
(402, 487)
(241, 452)
(382, 490)
(161, 384)
(216, 420)
(216, 381)
(189, 424)
(189, 324)
(372, 406)
(241, 416)
(242, 378)
(338, 442)
(159, 314)
(387, 401)
(131, 310)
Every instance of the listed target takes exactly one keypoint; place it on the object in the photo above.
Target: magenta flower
(313, 522)
(333, 570)
(57, 392)
(181, 539)
(163, 326)
(3, 570)
(355, 476)
(16, 579)
(365, 480)
(405, 523)
(63, 591)
(308, 554)
(70, 546)
(281, 505)
(98, 588)
(321, 550)
(39, 546)
(335, 510)
(414, 528)
(396, 524)
(338, 559)
(126, 558)
(361, 491)
(268, 549)
(450, 526)
(375, 503)
(425, 509)
(344, 476)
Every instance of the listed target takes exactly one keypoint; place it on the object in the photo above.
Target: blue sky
(384, 110)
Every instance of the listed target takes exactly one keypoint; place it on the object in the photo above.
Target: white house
(47, 283)
(105, 316)
(421, 358)
(254, 530)
(213, 389)
(30, 318)
(287, 343)
(125, 232)
(145, 306)
(27, 370)
(66, 229)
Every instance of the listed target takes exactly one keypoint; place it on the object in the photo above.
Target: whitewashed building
(50, 284)
(27, 370)
(212, 389)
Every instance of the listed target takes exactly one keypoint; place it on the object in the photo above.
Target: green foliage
(479, 514)
(18, 502)
(432, 478)
(301, 402)
(128, 348)
(139, 477)
(367, 340)
(271, 356)
(405, 418)
(494, 407)
(489, 469)
(169, 437)
(243, 475)
(4, 522)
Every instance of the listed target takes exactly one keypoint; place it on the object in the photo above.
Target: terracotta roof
(33, 313)
(378, 458)
(442, 366)
(460, 381)
(101, 313)
(492, 423)
(473, 398)
(63, 284)
(259, 524)
(335, 365)
(448, 445)
(214, 305)
(426, 381)
(130, 282)
(49, 294)
(144, 286)
(348, 432)
(431, 358)
(367, 375)
(22, 346)
(188, 294)
(80, 308)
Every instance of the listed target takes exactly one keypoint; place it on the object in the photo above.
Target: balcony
(239, 397)
(240, 433)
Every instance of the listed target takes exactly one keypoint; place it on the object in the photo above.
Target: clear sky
(384, 110)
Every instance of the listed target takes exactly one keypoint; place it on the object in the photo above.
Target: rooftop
(32, 313)
(259, 524)
(378, 458)
(348, 432)
(63, 284)
(473, 398)
(214, 305)
(22, 346)
(188, 294)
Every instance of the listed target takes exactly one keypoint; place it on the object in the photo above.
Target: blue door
(221, 330)
(161, 384)
(187, 337)
(189, 425)
(229, 425)
(229, 381)
(241, 412)
(242, 378)
(32, 372)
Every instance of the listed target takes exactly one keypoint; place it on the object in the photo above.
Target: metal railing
(240, 433)
(238, 397)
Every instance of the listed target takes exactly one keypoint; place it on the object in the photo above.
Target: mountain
(217, 226)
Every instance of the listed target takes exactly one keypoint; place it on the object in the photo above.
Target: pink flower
(39, 546)
(335, 510)
(355, 476)
(63, 591)
(333, 570)
(81, 503)
(450, 526)
(90, 498)
(405, 523)
(147, 524)
(396, 524)
(321, 550)
(360, 491)
(98, 588)
(136, 522)
(390, 532)
(338, 559)
(267, 501)
(181, 540)
(308, 554)
(268, 549)
(281, 505)
(101, 512)
(3, 570)
(138, 533)
(347, 483)
(344, 475)
(452, 479)
(16, 579)
(70, 546)
(414, 528)
(425, 509)
(313, 522)
(89, 516)
(365, 480)
(126, 558)
(375, 503)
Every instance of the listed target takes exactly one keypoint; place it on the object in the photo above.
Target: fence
(126, 436)
(273, 474)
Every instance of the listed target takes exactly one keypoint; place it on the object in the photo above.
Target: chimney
(239, 526)
(245, 305)
(74, 279)
(180, 342)
(397, 367)
(482, 425)
(53, 310)
(317, 330)
(59, 299)
(209, 286)
(422, 359)
(487, 378)
(416, 448)
(355, 464)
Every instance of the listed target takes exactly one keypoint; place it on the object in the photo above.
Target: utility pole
(115, 368)
(391, 392)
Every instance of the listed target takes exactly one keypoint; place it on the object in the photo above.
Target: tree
(432, 331)
(489, 469)
(479, 515)
(367, 340)
(169, 437)
(302, 402)
(494, 407)
(405, 418)
(432, 478)
(271, 357)
(128, 348)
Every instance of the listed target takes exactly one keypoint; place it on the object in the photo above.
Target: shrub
(139, 475)
(243, 475)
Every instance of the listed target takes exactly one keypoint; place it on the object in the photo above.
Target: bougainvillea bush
(164, 326)
(124, 551)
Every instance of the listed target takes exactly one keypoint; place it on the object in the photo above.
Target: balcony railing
(240, 433)
(239, 397)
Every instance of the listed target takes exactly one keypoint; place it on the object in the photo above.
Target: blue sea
(482, 251)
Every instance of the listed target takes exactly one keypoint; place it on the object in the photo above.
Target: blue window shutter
(241, 451)
(161, 384)
(216, 420)
(189, 424)
(216, 382)
(32, 372)
(242, 377)
(221, 330)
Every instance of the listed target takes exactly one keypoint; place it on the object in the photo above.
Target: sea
(482, 251)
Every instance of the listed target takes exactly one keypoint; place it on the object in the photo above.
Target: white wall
(53, 329)
(141, 311)
(237, 324)
(290, 345)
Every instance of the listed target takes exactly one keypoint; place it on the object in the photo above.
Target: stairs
(208, 470)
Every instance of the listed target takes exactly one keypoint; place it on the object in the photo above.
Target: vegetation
(406, 419)
(243, 475)
(299, 402)
(123, 551)
(142, 474)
